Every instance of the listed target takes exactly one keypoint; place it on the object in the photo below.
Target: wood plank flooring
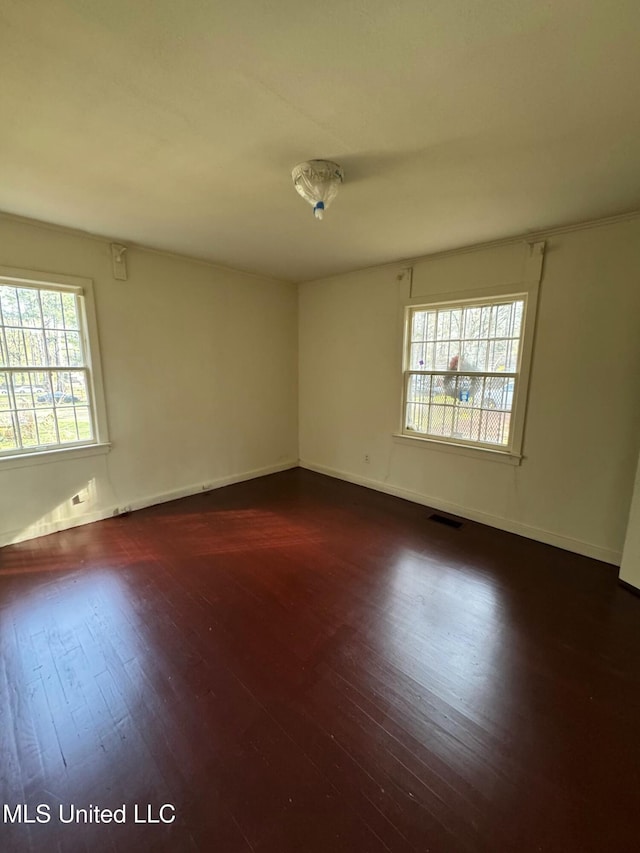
(297, 664)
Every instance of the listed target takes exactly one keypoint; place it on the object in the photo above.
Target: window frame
(82, 288)
(528, 292)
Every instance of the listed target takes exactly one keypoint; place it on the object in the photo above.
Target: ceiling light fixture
(318, 182)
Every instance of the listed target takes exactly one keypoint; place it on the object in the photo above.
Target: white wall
(200, 379)
(201, 387)
(574, 485)
(630, 569)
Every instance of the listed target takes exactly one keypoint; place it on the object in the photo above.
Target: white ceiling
(175, 123)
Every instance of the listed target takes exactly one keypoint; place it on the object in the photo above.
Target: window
(463, 372)
(47, 394)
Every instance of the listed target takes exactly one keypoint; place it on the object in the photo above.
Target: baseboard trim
(209, 486)
(629, 587)
(577, 546)
(35, 531)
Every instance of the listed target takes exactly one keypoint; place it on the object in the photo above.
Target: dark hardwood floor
(299, 665)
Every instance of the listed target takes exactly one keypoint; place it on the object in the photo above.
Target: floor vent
(448, 522)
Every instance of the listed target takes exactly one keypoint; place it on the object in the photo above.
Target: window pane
(498, 355)
(443, 325)
(52, 310)
(485, 322)
(417, 357)
(70, 311)
(5, 402)
(74, 349)
(472, 322)
(83, 419)
(494, 428)
(78, 387)
(57, 348)
(27, 428)
(513, 352)
(442, 357)
(69, 387)
(431, 326)
(29, 307)
(22, 391)
(9, 306)
(15, 347)
(419, 390)
(418, 327)
(34, 346)
(42, 389)
(67, 426)
(441, 420)
(498, 393)
(46, 422)
(503, 316)
(7, 433)
(518, 312)
(430, 357)
(472, 356)
(416, 417)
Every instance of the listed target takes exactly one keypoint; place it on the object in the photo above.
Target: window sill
(60, 454)
(487, 453)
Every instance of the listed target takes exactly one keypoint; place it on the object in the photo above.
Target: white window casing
(51, 391)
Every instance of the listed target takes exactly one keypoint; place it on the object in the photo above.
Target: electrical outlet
(367, 458)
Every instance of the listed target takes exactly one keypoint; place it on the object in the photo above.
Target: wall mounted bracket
(119, 262)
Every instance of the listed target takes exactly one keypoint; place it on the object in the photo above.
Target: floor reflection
(444, 631)
(70, 648)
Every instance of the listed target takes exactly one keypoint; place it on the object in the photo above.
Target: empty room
(319, 426)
